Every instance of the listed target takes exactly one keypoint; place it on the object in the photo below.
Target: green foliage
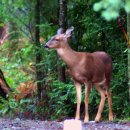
(15, 63)
(62, 97)
(91, 33)
(19, 109)
(111, 8)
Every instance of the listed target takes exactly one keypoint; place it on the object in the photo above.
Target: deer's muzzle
(46, 46)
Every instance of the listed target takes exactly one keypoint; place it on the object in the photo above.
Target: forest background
(30, 23)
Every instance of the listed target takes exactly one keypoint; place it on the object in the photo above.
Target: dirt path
(18, 124)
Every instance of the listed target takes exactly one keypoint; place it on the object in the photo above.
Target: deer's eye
(56, 39)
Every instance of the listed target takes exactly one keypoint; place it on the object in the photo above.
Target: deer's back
(92, 67)
(106, 59)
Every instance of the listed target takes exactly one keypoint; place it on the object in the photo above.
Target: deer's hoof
(111, 118)
(77, 118)
(97, 119)
(86, 121)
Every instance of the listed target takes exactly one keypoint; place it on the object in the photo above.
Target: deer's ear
(69, 31)
(60, 31)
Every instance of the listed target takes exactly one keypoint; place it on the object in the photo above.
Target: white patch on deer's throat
(60, 51)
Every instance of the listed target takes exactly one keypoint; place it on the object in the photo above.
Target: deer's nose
(46, 46)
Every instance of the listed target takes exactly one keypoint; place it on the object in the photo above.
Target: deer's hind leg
(86, 100)
(102, 102)
(107, 85)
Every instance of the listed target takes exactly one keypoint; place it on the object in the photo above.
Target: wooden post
(72, 125)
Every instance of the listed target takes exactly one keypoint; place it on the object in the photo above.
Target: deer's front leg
(78, 91)
(86, 100)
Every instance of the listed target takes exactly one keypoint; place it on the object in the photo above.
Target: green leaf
(127, 6)
(4, 110)
(108, 15)
(1, 24)
(97, 7)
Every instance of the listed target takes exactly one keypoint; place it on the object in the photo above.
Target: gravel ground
(107, 126)
(20, 124)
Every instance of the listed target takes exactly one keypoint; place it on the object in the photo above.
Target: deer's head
(60, 39)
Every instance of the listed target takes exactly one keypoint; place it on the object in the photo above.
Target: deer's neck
(69, 56)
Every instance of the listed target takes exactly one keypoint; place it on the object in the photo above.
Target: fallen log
(4, 87)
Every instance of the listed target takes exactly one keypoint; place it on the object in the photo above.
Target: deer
(90, 69)
(4, 87)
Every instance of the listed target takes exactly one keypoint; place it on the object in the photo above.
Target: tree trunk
(63, 13)
(4, 87)
(128, 30)
(63, 24)
(39, 70)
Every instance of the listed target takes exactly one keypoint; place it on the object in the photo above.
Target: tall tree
(39, 73)
(63, 24)
(128, 30)
(63, 14)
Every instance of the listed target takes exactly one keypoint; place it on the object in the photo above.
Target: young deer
(85, 68)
